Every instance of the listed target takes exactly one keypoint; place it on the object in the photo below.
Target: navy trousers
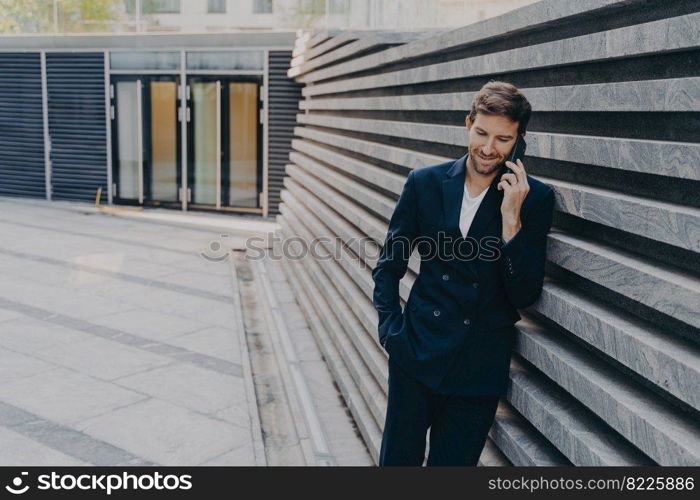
(458, 424)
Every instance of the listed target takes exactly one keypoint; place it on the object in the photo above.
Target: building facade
(180, 121)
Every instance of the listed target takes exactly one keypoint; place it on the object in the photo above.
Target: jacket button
(445, 277)
(436, 312)
(466, 321)
(475, 285)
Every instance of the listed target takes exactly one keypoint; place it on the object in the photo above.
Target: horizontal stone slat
(398, 156)
(372, 391)
(491, 456)
(362, 416)
(360, 304)
(667, 158)
(662, 432)
(529, 18)
(669, 223)
(567, 424)
(521, 443)
(656, 37)
(365, 250)
(324, 41)
(310, 62)
(366, 171)
(369, 198)
(369, 224)
(669, 363)
(654, 285)
(673, 94)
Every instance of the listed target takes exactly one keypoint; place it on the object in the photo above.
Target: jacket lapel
(452, 193)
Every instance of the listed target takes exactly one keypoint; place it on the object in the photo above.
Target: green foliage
(36, 16)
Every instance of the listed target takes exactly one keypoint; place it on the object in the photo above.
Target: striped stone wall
(606, 368)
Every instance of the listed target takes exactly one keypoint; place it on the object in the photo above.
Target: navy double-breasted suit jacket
(456, 332)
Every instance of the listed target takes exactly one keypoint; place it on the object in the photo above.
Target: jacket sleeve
(523, 257)
(393, 259)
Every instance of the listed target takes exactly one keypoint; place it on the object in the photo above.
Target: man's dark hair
(502, 98)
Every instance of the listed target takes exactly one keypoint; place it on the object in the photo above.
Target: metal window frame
(45, 119)
(108, 118)
(184, 93)
(266, 134)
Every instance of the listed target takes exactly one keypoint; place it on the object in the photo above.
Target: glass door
(145, 140)
(225, 143)
(243, 170)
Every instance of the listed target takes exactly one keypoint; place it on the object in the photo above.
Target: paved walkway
(122, 341)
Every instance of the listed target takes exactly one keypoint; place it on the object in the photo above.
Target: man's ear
(468, 122)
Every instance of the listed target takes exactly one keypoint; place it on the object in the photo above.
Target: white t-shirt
(469, 208)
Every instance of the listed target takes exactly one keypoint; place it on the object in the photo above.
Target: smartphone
(518, 152)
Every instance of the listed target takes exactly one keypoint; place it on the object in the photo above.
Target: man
(449, 350)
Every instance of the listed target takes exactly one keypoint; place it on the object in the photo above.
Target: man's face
(491, 138)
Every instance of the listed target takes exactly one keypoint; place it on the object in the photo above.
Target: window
(144, 60)
(320, 6)
(338, 6)
(216, 7)
(262, 6)
(160, 6)
(239, 60)
(313, 6)
(154, 6)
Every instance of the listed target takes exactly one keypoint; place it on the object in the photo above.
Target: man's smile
(485, 159)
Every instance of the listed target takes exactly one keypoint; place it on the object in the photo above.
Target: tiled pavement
(120, 344)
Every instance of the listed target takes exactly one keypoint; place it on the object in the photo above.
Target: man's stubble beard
(473, 158)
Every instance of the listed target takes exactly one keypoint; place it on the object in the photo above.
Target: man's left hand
(515, 189)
